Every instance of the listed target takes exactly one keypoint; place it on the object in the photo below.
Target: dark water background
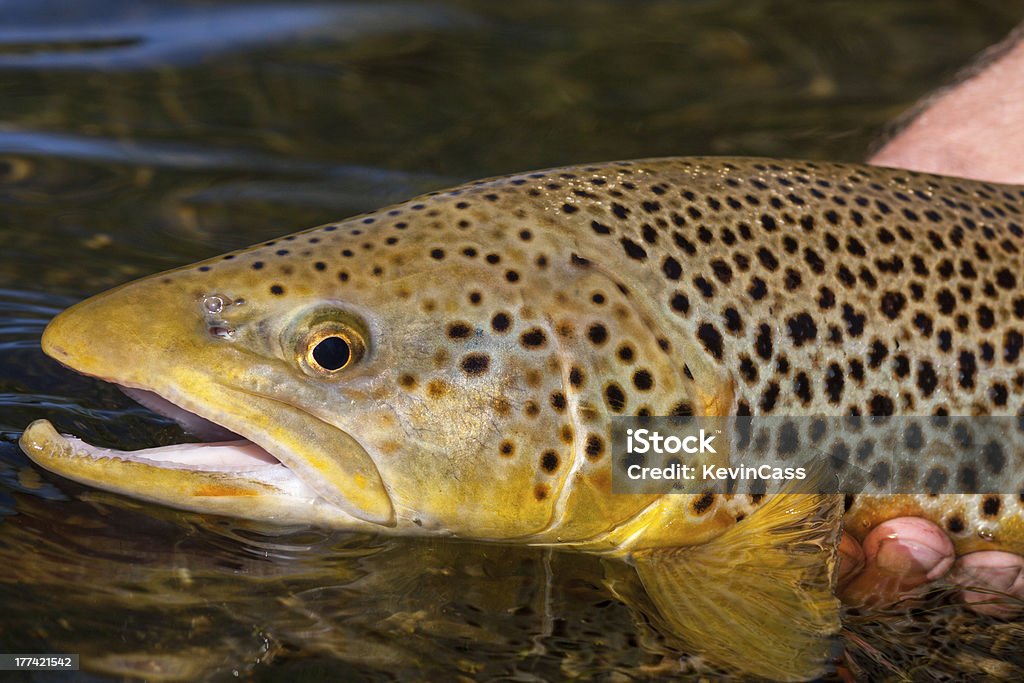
(137, 136)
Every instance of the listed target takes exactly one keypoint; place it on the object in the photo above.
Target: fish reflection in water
(150, 592)
(192, 597)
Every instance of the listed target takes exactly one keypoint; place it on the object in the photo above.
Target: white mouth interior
(223, 456)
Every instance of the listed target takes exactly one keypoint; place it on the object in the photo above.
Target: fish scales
(490, 333)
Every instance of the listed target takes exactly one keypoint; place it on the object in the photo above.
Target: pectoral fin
(760, 597)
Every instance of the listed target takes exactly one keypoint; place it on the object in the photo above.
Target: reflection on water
(137, 136)
(120, 35)
(150, 592)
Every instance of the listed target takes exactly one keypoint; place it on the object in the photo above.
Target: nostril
(221, 331)
(213, 304)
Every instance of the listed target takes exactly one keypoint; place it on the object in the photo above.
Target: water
(138, 136)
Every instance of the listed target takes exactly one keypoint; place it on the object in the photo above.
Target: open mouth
(221, 450)
(286, 467)
(225, 474)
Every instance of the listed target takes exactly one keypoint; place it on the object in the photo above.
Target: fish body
(451, 365)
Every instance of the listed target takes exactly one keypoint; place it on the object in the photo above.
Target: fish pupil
(332, 353)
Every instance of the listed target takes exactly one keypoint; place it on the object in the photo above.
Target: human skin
(972, 129)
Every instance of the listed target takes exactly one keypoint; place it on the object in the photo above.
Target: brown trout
(451, 365)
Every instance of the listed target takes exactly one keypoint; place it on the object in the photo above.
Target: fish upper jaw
(145, 338)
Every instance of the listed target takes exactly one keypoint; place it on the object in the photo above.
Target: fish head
(403, 375)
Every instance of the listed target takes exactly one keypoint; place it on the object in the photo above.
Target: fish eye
(330, 348)
(332, 353)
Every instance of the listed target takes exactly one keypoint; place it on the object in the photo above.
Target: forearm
(973, 129)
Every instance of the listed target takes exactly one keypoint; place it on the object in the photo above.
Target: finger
(900, 555)
(851, 559)
(993, 582)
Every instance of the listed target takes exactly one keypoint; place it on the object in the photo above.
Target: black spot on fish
(802, 387)
(892, 304)
(476, 363)
(968, 369)
(615, 398)
(533, 338)
(854, 320)
(680, 303)
(711, 338)
(834, 383)
(763, 342)
(682, 409)
(704, 503)
(877, 354)
(994, 457)
(767, 259)
(633, 250)
(881, 405)
(549, 461)
(459, 330)
(578, 261)
(671, 268)
(705, 287)
(802, 329)
(880, 474)
(936, 481)
(722, 271)
(500, 322)
(642, 380)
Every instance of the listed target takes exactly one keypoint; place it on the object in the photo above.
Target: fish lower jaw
(236, 478)
(68, 455)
